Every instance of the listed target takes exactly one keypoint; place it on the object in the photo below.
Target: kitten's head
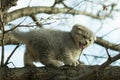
(82, 36)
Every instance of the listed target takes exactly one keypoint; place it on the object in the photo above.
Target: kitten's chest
(73, 52)
(76, 53)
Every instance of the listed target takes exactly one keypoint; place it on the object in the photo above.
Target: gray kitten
(53, 47)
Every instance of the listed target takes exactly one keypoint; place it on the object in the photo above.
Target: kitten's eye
(90, 40)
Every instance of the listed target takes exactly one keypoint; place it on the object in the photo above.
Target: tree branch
(109, 61)
(9, 40)
(107, 44)
(49, 10)
(6, 4)
(62, 73)
(34, 18)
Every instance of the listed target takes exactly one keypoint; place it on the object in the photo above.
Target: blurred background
(100, 16)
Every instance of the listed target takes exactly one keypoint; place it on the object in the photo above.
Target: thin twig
(3, 35)
(109, 57)
(90, 55)
(110, 32)
(108, 62)
(2, 42)
(29, 3)
(16, 26)
(87, 58)
(11, 55)
(12, 64)
(34, 18)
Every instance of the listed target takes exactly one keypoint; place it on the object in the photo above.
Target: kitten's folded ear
(77, 26)
(80, 27)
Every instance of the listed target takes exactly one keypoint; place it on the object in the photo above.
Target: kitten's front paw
(75, 63)
(72, 63)
(54, 63)
(57, 64)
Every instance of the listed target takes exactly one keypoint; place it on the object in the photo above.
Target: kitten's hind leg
(28, 60)
(52, 62)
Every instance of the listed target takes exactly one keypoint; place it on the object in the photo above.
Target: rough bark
(108, 44)
(62, 73)
(27, 11)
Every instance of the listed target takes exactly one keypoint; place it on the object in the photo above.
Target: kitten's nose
(85, 42)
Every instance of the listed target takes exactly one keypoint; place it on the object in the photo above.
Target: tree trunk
(81, 72)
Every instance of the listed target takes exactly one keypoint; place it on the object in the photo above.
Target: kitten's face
(82, 36)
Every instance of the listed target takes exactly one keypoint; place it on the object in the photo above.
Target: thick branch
(107, 44)
(50, 10)
(9, 40)
(62, 73)
(109, 61)
(6, 4)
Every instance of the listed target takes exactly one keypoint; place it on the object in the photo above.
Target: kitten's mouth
(81, 45)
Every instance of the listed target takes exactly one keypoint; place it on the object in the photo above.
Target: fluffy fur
(54, 47)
